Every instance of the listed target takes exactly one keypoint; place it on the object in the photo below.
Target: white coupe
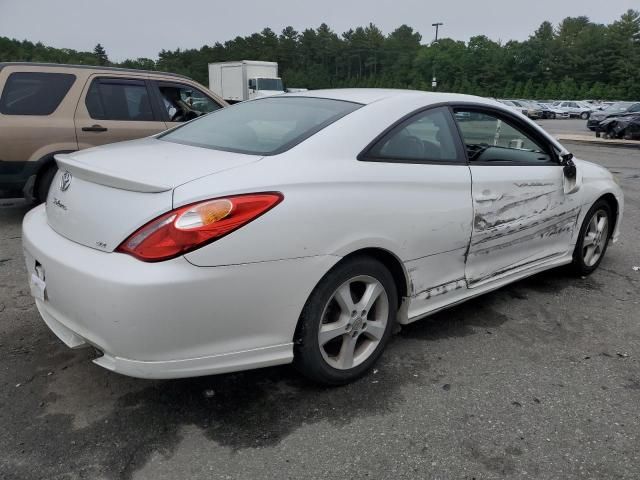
(300, 228)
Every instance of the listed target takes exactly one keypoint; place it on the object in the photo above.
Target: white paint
(234, 303)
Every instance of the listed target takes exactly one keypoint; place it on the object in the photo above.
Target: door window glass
(428, 136)
(34, 93)
(119, 100)
(489, 138)
(183, 102)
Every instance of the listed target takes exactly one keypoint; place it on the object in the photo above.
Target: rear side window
(34, 93)
(261, 127)
(425, 137)
(116, 99)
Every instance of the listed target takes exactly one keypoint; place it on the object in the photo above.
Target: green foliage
(574, 60)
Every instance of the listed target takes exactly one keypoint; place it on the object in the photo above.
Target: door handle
(95, 128)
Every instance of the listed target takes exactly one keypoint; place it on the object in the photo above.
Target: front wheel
(346, 322)
(584, 115)
(593, 238)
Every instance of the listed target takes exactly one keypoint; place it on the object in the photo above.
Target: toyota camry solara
(299, 228)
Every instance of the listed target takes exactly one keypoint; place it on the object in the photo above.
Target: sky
(141, 28)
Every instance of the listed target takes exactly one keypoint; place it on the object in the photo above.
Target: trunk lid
(102, 195)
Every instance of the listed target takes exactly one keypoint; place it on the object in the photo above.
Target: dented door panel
(521, 216)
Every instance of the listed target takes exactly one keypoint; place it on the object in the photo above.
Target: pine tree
(101, 55)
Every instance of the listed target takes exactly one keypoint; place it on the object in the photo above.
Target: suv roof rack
(92, 67)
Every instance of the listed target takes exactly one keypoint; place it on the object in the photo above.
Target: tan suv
(47, 109)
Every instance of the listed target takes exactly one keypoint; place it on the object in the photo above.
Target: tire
(582, 263)
(584, 115)
(368, 334)
(553, 116)
(43, 182)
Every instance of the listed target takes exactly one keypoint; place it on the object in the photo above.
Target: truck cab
(265, 87)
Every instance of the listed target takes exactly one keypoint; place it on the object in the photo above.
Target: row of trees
(576, 59)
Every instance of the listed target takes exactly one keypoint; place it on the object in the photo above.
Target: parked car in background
(551, 112)
(626, 126)
(533, 109)
(574, 109)
(614, 110)
(197, 251)
(513, 106)
(47, 109)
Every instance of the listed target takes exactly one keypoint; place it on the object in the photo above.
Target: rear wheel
(593, 238)
(584, 115)
(346, 322)
(43, 182)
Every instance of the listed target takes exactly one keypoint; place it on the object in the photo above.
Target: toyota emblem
(65, 181)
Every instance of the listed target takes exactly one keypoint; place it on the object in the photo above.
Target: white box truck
(244, 80)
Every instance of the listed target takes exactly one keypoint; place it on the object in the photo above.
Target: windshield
(270, 84)
(618, 107)
(261, 127)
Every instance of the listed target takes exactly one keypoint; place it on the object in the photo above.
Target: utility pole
(434, 81)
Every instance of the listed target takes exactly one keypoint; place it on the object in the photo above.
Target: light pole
(434, 81)
(437, 25)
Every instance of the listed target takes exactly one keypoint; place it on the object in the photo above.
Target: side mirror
(569, 167)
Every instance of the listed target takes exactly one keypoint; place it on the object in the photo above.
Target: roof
(91, 67)
(371, 95)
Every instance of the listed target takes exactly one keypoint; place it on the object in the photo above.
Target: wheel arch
(44, 163)
(393, 264)
(613, 203)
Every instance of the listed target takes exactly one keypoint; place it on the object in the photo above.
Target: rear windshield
(261, 127)
(34, 93)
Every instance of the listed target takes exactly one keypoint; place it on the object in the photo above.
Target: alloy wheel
(353, 322)
(595, 238)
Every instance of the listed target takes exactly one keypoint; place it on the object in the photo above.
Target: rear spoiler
(103, 176)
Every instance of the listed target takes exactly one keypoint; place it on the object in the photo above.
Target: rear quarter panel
(334, 204)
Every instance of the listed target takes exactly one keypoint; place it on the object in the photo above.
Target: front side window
(428, 136)
(183, 102)
(115, 99)
(262, 127)
(34, 93)
(489, 138)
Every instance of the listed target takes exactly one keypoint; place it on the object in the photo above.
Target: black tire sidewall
(307, 356)
(578, 262)
(43, 183)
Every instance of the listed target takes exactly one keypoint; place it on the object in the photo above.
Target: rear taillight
(193, 226)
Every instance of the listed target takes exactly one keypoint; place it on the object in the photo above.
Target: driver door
(522, 215)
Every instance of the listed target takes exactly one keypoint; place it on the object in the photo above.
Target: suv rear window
(34, 93)
(262, 127)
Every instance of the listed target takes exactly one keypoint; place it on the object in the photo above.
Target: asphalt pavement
(539, 380)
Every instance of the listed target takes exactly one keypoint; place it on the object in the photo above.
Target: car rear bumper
(168, 319)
